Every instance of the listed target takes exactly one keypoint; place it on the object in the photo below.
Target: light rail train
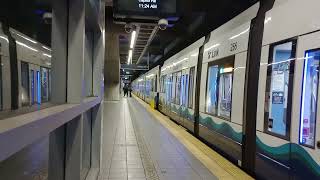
(203, 88)
(25, 72)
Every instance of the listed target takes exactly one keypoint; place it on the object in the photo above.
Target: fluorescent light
(46, 48)
(48, 55)
(151, 75)
(213, 46)
(24, 45)
(129, 56)
(133, 39)
(226, 70)
(243, 32)
(267, 20)
(34, 42)
(194, 55)
(5, 38)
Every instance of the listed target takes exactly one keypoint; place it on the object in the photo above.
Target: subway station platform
(140, 143)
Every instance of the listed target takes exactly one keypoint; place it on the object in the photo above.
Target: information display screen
(145, 8)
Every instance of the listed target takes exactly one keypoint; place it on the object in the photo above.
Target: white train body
(33, 65)
(287, 140)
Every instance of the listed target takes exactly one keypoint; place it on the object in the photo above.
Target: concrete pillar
(99, 55)
(56, 170)
(59, 51)
(73, 161)
(76, 40)
(112, 65)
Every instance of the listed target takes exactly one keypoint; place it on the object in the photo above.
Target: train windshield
(309, 98)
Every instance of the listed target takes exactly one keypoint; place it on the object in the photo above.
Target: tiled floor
(138, 147)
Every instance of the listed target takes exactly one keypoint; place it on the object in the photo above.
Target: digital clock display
(145, 8)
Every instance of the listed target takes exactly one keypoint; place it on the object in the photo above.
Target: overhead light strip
(34, 42)
(24, 45)
(46, 48)
(133, 39)
(130, 56)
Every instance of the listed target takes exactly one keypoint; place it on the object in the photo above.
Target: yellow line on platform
(217, 164)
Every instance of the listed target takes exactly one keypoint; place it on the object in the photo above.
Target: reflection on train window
(168, 88)
(184, 90)
(25, 98)
(178, 88)
(173, 85)
(162, 83)
(278, 89)
(44, 84)
(148, 87)
(309, 98)
(191, 86)
(219, 89)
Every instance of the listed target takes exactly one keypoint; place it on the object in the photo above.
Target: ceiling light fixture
(34, 42)
(130, 56)
(24, 45)
(133, 39)
(46, 48)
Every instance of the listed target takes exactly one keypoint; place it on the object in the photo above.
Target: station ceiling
(196, 18)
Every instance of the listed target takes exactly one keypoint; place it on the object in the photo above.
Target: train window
(191, 86)
(184, 90)
(162, 83)
(44, 84)
(279, 89)
(25, 91)
(155, 83)
(309, 98)
(219, 88)
(173, 87)
(178, 88)
(168, 88)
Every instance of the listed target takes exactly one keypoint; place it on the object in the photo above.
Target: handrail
(20, 131)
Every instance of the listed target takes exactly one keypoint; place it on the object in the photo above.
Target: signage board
(142, 9)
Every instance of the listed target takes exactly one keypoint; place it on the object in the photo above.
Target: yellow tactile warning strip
(218, 165)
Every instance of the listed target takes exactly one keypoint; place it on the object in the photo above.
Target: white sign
(148, 4)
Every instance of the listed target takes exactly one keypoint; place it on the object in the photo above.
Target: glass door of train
(35, 84)
(288, 134)
(305, 134)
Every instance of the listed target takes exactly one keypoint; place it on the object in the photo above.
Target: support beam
(252, 86)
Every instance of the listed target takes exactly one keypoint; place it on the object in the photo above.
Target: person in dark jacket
(130, 90)
(125, 90)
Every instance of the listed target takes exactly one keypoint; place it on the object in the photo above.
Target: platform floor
(141, 144)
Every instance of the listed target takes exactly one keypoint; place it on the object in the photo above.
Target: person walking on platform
(130, 90)
(125, 90)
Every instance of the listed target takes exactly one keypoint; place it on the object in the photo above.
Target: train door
(35, 84)
(305, 133)
(25, 84)
(44, 84)
(32, 87)
(274, 110)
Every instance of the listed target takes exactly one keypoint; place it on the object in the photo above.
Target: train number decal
(213, 53)
(234, 46)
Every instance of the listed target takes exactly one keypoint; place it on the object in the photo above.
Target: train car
(287, 139)
(178, 76)
(152, 86)
(139, 87)
(147, 86)
(223, 78)
(33, 65)
(287, 131)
